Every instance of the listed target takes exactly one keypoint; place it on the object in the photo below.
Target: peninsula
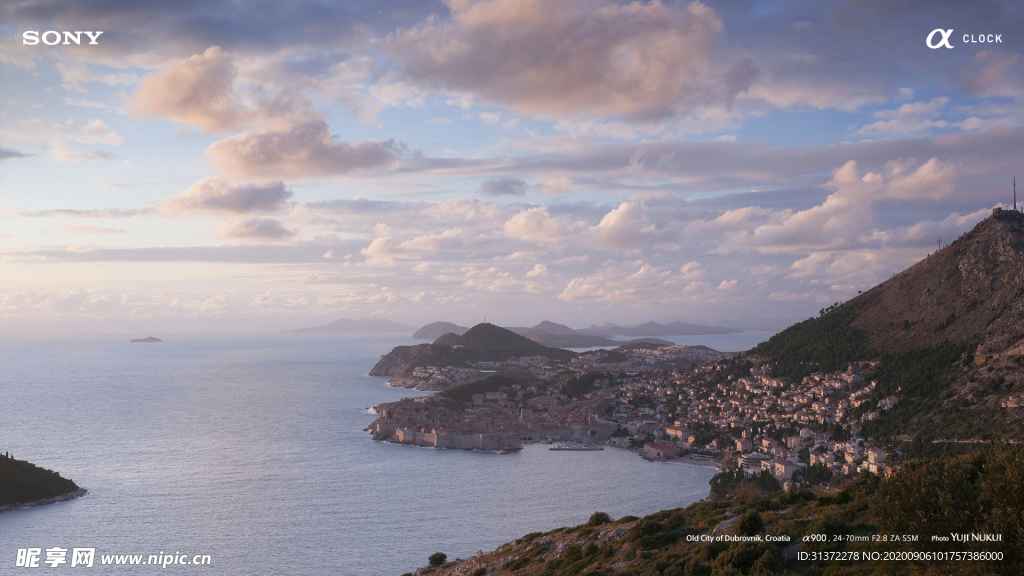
(899, 412)
(900, 367)
(24, 484)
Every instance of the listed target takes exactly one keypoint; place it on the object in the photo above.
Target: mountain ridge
(947, 335)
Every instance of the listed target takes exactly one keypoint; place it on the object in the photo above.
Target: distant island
(150, 339)
(360, 325)
(561, 336)
(24, 484)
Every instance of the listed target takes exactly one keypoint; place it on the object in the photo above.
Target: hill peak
(492, 339)
(972, 287)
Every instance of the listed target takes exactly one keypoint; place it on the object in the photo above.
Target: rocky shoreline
(44, 501)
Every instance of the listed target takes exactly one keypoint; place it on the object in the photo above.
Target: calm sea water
(252, 450)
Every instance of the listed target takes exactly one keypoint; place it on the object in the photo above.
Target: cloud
(254, 229)
(503, 187)
(554, 58)
(537, 270)
(626, 227)
(95, 132)
(991, 74)
(786, 91)
(537, 225)
(302, 152)
(489, 118)
(89, 213)
(215, 195)
(74, 75)
(198, 91)
(83, 103)
(64, 155)
(85, 229)
(907, 119)
(844, 219)
(639, 284)
(8, 153)
(557, 186)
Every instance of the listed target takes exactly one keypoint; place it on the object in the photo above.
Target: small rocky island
(150, 339)
(24, 484)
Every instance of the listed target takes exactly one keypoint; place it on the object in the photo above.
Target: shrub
(437, 558)
(599, 518)
(749, 524)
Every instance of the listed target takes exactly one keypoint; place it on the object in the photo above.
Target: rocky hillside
(753, 532)
(948, 335)
(971, 288)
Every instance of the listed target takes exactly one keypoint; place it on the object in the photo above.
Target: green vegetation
(731, 480)
(481, 343)
(579, 386)
(465, 392)
(22, 482)
(824, 344)
(750, 524)
(598, 519)
(492, 342)
(613, 356)
(982, 492)
(437, 558)
(924, 380)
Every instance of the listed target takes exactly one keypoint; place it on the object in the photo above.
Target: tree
(931, 497)
(437, 558)
(750, 524)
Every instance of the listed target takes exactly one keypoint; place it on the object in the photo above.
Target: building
(542, 402)
(784, 469)
(660, 450)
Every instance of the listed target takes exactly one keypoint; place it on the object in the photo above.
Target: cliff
(394, 362)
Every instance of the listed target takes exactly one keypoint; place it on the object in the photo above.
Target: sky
(223, 166)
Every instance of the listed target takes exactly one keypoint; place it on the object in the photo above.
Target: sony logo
(52, 37)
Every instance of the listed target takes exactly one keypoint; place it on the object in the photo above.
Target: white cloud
(221, 196)
(557, 186)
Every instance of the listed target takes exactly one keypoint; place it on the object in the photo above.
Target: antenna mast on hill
(1014, 193)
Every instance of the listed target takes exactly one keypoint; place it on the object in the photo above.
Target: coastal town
(716, 409)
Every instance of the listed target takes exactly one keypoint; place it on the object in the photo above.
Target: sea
(252, 450)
